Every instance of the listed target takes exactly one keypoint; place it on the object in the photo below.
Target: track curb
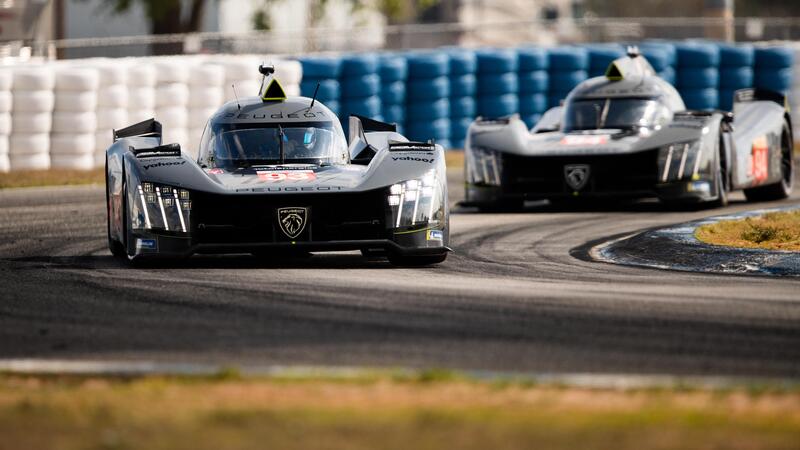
(676, 248)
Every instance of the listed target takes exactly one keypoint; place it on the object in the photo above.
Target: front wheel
(416, 260)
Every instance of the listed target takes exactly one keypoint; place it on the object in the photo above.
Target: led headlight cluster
(161, 207)
(416, 202)
(681, 161)
(484, 166)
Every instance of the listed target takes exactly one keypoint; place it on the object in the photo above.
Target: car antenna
(236, 96)
(314, 98)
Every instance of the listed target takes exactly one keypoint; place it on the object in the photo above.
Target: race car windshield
(245, 147)
(622, 113)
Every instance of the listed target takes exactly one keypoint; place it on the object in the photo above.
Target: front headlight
(484, 166)
(416, 202)
(680, 161)
(161, 207)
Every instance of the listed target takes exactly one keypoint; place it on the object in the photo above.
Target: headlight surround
(680, 161)
(416, 202)
(484, 166)
(160, 207)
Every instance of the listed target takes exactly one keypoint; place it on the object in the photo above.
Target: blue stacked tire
(661, 55)
(698, 74)
(735, 72)
(773, 68)
(601, 56)
(498, 83)
(427, 114)
(360, 87)
(568, 66)
(534, 82)
(393, 71)
(463, 88)
(325, 72)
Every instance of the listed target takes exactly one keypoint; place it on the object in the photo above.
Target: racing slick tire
(721, 180)
(783, 188)
(503, 205)
(116, 247)
(416, 260)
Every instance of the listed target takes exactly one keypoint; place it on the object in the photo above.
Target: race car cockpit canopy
(254, 132)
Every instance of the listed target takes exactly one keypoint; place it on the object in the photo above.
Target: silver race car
(275, 177)
(628, 134)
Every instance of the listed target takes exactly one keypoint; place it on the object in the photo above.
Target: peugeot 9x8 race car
(275, 176)
(628, 134)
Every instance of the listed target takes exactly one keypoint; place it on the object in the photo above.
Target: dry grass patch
(53, 177)
(774, 231)
(382, 412)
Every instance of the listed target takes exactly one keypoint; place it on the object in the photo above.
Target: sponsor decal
(413, 158)
(435, 235)
(272, 176)
(215, 171)
(759, 160)
(576, 175)
(277, 115)
(587, 139)
(146, 244)
(292, 220)
(293, 189)
(163, 164)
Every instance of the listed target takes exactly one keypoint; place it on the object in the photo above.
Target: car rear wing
(147, 128)
(756, 94)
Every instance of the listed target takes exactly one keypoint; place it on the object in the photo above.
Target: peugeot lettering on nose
(292, 221)
(576, 176)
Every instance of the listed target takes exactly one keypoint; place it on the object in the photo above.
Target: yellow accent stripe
(414, 231)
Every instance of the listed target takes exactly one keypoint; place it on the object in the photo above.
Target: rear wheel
(721, 184)
(416, 260)
(503, 205)
(783, 188)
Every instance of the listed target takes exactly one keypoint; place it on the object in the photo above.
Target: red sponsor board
(272, 176)
(759, 165)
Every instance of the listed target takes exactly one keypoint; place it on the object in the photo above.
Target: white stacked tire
(31, 117)
(172, 99)
(6, 78)
(141, 91)
(112, 106)
(206, 87)
(74, 118)
(241, 73)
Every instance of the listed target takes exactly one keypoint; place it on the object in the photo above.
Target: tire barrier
(48, 111)
(428, 96)
(29, 141)
(393, 73)
(498, 82)
(463, 88)
(6, 103)
(698, 74)
(568, 67)
(360, 87)
(735, 72)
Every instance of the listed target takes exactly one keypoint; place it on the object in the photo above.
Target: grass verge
(773, 231)
(53, 177)
(425, 412)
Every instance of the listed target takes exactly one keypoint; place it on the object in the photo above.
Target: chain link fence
(399, 37)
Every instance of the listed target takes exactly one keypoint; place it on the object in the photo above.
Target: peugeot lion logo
(292, 221)
(576, 175)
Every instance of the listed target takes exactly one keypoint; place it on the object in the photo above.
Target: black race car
(628, 134)
(275, 176)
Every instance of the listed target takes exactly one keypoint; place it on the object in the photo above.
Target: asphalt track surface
(511, 298)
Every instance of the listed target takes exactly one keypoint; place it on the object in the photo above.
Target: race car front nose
(161, 207)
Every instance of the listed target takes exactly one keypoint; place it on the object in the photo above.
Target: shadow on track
(235, 261)
(597, 205)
